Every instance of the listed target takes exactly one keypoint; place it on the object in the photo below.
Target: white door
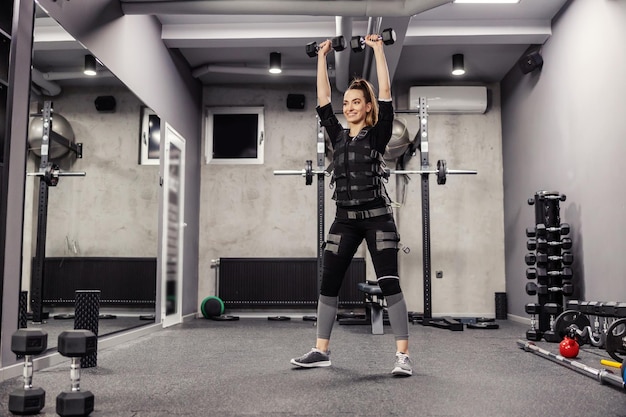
(173, 227)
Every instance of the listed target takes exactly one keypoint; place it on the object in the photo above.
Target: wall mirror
(94, 227)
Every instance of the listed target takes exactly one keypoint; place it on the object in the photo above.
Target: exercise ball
(399, 142)
(60, 125)
(212, 307)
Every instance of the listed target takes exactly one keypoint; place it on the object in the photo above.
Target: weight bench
(374, 307)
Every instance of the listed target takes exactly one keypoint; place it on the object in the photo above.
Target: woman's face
(354, 106)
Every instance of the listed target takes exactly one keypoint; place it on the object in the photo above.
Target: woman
(363, 207)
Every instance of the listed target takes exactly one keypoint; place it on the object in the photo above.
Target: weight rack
(549, 265)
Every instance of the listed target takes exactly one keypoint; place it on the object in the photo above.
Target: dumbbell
(542, 230)
(533, 309)
(76, 344)
(542, 244)
(534, 273)
(553, 309)
(338, 43)
(532, 289)
(28, 343)
(388, 36)
(542, 259)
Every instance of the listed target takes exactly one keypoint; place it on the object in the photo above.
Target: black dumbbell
(28, 343)
(76, 344)
(542, 230)
(532, 289)
(338, 43)
(388, 36)
(543, 259)
(542, 244)
(534, 273)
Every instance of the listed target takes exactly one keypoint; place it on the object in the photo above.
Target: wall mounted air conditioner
(450, 99)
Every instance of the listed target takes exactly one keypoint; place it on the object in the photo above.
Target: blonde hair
(370, 97)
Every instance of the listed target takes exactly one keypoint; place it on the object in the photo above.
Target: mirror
(94, 227)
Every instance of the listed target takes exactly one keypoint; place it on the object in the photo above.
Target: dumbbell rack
(548, 265)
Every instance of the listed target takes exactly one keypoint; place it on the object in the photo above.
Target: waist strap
(363, 214)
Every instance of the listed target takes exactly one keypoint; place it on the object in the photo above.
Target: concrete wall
(249, 212)
(563, 131)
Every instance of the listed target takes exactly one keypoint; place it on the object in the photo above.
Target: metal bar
(321, 153)
(36, 284)
(58, 174)
(601, 375)
(423, 116)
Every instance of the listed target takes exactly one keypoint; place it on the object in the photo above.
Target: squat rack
(425, 171)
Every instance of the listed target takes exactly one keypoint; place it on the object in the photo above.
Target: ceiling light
(487, 1)
(458, 66)
(90, 65)
(275, 67)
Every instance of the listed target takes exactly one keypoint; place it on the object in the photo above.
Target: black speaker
(530, 61)
(105, 104)
(295, 101)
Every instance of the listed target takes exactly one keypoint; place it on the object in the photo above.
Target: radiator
(281, 282)
(128, 282)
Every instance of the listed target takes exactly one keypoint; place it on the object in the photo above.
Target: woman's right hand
(324, 48)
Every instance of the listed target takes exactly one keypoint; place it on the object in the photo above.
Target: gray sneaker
(402, 366)
(313, 359)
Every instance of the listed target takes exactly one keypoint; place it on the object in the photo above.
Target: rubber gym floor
(241, 368)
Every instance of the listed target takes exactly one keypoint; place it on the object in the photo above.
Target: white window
(234, 135)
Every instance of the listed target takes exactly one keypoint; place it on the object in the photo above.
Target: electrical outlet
(439, 274)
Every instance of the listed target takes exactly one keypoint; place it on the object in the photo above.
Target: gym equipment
(543, 244)
(568, 347)
(533, 273)
(49, 176)
(601, 375)
(75, 344)
(441, 172)
(615, 343)
(374, 307)
(542, 230)
(212, 307)
(388, 36)
(575, 325)
(533, 309)
(399, 142)
(338, 44)
(549, 265)
(28, 343)
(533, 289)
(60, 139)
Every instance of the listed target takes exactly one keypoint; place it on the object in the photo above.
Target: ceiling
(229, 41)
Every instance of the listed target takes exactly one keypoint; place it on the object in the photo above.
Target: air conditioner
(450, 99)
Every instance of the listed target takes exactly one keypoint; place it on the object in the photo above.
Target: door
(173, 227)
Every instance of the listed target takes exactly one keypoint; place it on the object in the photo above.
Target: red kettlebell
(569, 347)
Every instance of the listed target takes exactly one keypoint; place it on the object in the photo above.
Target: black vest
(358, 170)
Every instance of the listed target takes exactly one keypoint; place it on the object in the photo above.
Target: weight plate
(615, 343)
(571, 319)
(279, 318)
(483, 325)
(224, 317)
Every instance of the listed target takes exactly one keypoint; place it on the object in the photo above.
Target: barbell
(442, 172)
(52, 173)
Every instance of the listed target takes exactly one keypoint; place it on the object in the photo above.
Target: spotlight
(458, 67)
(275, 67)
(90, 65)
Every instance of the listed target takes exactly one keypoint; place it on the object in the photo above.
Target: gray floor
(241, 368)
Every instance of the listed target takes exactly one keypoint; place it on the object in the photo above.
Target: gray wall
(249, 212)
(171, 92)
(563, 130)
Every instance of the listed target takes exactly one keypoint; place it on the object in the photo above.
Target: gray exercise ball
(399, 142)
(60, 125)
